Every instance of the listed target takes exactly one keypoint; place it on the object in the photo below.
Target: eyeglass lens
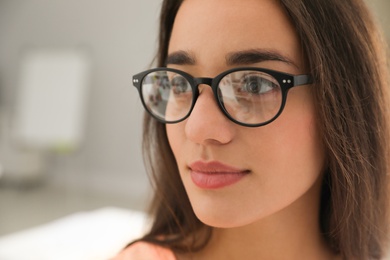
(248, 96)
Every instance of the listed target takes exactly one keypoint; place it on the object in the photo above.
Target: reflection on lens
(250, 97)
(167, 95)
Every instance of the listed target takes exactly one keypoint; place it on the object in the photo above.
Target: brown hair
(347, 61)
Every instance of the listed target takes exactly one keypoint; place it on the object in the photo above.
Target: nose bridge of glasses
(206, 81)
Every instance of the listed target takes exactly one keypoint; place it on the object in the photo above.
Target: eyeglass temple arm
(302, 80)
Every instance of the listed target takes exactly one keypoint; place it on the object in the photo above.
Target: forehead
(211, 28)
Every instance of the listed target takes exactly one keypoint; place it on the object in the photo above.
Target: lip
(214, 174)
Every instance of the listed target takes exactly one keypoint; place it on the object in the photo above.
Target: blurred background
(70, 120)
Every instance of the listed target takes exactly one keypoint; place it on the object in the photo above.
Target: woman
(241, 169)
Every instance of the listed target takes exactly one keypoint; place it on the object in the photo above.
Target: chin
(222, 219)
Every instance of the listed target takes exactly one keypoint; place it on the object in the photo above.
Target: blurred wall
(120, 38)
(381, 9)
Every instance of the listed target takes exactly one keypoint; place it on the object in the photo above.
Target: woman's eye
(257, 85)
(180, 85)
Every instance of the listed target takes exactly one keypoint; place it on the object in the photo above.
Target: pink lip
(215, 175)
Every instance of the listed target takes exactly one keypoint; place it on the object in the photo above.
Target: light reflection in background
(39, 184)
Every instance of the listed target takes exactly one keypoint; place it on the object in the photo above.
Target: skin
(272, 213)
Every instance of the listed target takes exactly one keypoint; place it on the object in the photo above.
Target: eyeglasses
(247, 96)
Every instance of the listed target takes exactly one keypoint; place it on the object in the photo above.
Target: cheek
(286, 159)
(175, 135)
(296, 149)
(300, 157)
(293, 156)
(303, 144)
(292, 142)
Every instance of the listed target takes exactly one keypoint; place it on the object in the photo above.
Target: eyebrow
(180, 58)
(245, 57)
(252, 56)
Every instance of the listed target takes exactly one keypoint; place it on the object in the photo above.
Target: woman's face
(236, 175)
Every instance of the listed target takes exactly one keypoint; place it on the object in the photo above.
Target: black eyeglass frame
(286, 82)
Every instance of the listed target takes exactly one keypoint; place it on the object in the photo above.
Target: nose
(207, 124)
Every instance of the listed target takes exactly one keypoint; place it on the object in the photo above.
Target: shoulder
(143, 250)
